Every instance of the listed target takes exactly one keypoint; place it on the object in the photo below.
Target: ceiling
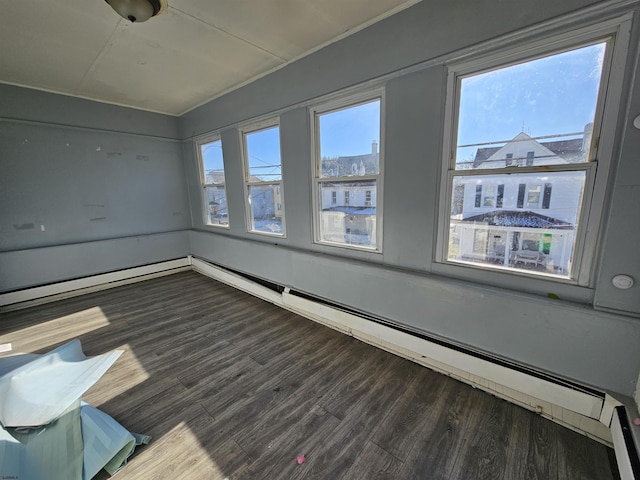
(196, 51)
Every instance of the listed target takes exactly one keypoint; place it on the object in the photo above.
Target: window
(546, 199)
(214, 195)
(263, 178)
(533, 196)
(347, 160)
(508, 174)
(521, 190)
(530, 158)
(500, 198)
(490, 196)
(509, 159)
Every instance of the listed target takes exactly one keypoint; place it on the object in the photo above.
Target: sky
(343, 132)
(263, 150)
(350, 131)
(212, 156)
(547, 96)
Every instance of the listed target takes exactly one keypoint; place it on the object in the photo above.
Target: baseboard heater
(591, 412)
(624, 445)
(583, 409)
(40, 294)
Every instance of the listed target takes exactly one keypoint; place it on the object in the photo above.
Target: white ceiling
(194, 52)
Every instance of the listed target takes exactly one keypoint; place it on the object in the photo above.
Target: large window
(263, 179)
(522, 158)
(214, 194)
(347, 173)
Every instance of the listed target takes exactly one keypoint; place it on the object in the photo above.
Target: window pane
(349, 140)
(263, 155)
(216, 199)
(266, 208)
(349, 217)
(539, 112)
(212, 163)
(534, 228)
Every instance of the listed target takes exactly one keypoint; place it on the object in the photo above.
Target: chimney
(374, 147)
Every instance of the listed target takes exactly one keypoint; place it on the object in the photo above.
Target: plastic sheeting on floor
(47, 433)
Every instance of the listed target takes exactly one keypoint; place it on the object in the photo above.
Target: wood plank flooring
(231, 387)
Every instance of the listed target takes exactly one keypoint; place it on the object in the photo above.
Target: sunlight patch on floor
(56, 331)
(181, 451)
(125, 374)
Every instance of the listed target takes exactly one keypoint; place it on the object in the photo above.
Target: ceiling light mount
(137, 11)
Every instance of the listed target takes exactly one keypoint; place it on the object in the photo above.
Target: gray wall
(82, 173)
(572, 341)
(108, 186)
(569, 337)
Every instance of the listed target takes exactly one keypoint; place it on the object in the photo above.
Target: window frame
(243, 131)
(615, 32)
(199, 143)
(333, 105)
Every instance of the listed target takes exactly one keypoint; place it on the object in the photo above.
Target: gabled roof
(517, 218)
(565, 149)
(483, 153)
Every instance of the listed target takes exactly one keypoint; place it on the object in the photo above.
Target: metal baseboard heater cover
(624, 445)
(570, 404)
(580, 408)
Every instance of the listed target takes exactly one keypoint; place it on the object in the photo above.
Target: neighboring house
(266, 201)
(217, 199)
(522, 220)
(266, 207)
(349, 208)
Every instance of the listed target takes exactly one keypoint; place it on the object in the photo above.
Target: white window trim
(244, 131)
(335, 104)
(616, 31)
(199, 142)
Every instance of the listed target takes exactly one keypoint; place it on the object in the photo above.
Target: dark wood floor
(232, 387)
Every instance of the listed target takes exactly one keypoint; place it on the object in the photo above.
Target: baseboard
(237, 281)
(587, 413)
(57, 291)
(624, 445)
(572, 408)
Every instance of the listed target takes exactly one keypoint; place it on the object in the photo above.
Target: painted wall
(80, 173)
(40, 266)
(569, 340)
(108, 186)
(568, 337)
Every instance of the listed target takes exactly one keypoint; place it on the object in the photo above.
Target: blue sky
(343, 132)
(263, 149)
(264, 154)
(547, 96)
(350, 131)
(212, 156)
